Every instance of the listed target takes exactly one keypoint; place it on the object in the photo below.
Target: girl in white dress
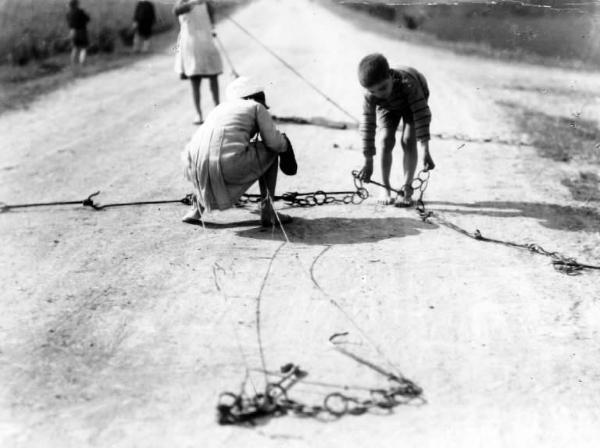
(197, 55)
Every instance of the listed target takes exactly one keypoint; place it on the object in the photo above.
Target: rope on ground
(89, 202)
(293, 70)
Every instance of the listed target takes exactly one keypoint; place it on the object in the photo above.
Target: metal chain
(235, 409)
(314, 198)
(560, 262)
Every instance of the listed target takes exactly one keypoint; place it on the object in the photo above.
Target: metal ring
(330, 407)
(382, 398)
(320, 197)
(310, 201)
(358, 183)
(276, 392)
(224, 395)
(355, 407)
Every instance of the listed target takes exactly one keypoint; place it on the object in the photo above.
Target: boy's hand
(367, 170)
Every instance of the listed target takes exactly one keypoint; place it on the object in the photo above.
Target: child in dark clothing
(394, 95)
(144, 19)
(77, 19)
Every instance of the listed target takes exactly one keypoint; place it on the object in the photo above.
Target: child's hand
(367, 171)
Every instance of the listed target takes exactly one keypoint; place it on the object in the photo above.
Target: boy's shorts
(390, 119)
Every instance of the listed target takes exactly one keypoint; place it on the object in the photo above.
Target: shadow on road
(552, 216)
(341, 230)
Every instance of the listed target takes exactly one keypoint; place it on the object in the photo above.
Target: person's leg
(146, 45)
(195, 82)
(74, 55)
(82, 56)
(387, 143)
(136, 42)
(388, 122)
(409, 148)
(194, 214)
(267, 183)
(214, 88)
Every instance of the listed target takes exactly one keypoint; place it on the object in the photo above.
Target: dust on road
(114, 332)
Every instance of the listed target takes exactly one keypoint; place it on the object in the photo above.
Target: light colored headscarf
(243, 87)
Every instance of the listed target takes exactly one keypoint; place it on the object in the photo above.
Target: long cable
(293, 70)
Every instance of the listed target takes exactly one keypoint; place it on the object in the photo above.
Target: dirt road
(121, 327)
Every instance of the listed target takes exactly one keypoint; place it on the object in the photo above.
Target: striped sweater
(409, 93)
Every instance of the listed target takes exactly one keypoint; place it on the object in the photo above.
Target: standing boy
(394, 95)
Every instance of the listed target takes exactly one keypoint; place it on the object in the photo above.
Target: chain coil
(235, 409)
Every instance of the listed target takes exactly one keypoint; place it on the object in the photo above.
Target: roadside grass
(20, 85)
(563, 139)
(503, 30)
(36, 35)
(36, 29)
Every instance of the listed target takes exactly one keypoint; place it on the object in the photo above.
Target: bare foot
(385, 198)
(428, 163)
(405, 200)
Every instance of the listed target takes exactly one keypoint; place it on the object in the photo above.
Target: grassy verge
(544, 36)
(564, 139)
(20, 85)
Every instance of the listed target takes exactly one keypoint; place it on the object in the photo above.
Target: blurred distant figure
(144, 19)
(197, 55)
(77, 19)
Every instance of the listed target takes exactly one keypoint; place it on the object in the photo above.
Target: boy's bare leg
(82, 55)
(388, 141)
(409, 147)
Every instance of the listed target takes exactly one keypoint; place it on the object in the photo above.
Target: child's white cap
(242, 87)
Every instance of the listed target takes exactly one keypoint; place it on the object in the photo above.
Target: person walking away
(197, 55)
(394, 96)
(224, 157)
(77, 20)
(144, 18)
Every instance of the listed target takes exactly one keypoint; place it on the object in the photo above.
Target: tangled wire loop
(235, 409)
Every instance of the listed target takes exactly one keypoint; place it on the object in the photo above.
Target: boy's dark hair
(372, 69)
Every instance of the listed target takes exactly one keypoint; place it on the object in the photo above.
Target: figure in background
(197, 55)
(144, 19)
(77, 19)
